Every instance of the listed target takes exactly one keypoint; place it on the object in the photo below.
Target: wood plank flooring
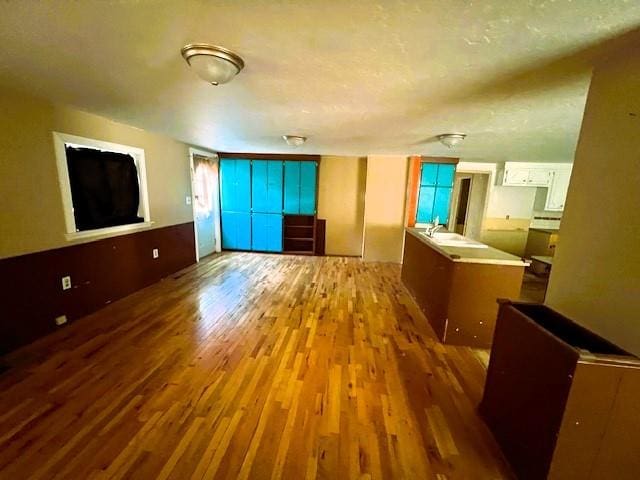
(249, 366)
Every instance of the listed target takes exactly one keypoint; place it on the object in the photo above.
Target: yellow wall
(507, 234)
(385, 200)
(31, 213)
(341, 190)
(595, 278)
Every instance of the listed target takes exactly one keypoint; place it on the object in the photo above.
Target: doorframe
(484, 168)
(216, 199)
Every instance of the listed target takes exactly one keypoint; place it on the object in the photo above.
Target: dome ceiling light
(215, 65)
(451, 139)
(294, 140)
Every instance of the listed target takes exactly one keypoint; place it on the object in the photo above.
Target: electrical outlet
(188, 200)
(156, 254)
(66, 283)
(61, 320)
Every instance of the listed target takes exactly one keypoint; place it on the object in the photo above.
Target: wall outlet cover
(66, 283)
(156, 253)
(61, 320)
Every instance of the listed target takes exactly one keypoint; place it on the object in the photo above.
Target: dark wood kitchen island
(457, 287)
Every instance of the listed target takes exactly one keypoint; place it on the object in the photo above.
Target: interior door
(205, 179)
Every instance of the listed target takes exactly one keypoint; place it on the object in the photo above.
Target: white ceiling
(356, 77)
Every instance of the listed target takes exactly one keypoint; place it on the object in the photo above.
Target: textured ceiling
(356, 77)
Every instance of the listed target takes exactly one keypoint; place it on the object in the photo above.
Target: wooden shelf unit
(299, 234)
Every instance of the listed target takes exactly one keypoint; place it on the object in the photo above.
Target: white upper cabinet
(516, 176)
(520, 174)
(554, 176)
(557, 193)
(540, 177)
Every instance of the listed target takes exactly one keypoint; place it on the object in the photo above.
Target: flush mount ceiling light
(294, 140)
(451, 139)
(215, 65)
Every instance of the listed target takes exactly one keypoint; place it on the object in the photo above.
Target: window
(103, 186)
(434, 194)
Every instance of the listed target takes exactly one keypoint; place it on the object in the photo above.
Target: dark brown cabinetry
(561, 401)
(299, 234)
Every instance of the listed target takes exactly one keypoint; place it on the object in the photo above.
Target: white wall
(516, 202)
(595, 278)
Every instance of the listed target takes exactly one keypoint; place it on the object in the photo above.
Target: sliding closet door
(235, 202)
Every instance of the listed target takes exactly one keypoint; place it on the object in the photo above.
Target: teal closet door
(243, 222)
(434, 195)
(446, 174)
(266, 232)
(428, 174)
(308, 172)
(292, 187)
(274, 232)
(243, 186)
(229, 230)
(259, 224)
(441, 204)
(259, 187)
(227, 183)
(426, 197)
(274, 187)
(235, 203)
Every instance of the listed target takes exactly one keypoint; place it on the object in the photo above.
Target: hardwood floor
(249, 366)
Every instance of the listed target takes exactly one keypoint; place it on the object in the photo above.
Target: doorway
(469, 204)
(205, 202)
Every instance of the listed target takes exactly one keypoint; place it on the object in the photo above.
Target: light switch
(188, 200)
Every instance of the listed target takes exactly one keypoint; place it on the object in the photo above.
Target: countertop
(545, 230)
(487, 255)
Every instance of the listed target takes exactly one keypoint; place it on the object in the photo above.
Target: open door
(469, 204)
(206, 208)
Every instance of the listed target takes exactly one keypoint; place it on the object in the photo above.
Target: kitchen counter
(457, 287)
(544, 230)
(487, 255)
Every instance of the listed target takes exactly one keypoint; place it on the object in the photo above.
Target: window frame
(61, 141)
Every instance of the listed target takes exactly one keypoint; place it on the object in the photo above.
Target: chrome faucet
(432, 230)
(434, 227)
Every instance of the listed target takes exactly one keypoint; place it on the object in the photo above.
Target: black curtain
(104, 188)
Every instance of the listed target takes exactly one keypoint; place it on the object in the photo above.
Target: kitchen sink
(448, 239)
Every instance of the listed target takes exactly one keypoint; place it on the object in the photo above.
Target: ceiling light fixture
(215, 65)
(451, 139)
(294, 140)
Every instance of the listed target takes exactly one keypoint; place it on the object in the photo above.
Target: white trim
(216, 200)
(60, 140)
(485, 168)
(108, 230)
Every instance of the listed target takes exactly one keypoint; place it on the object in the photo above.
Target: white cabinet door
(516, 176)
(558, 190)
(524, 175)
(539, 177)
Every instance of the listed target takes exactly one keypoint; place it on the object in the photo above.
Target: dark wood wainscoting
(102, 271)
